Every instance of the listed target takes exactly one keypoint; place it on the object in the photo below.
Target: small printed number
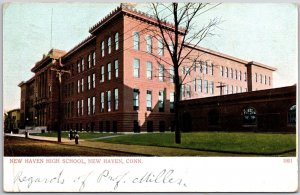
(287, 160)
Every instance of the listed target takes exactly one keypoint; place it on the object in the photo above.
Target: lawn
(82, 135)
(244, 143)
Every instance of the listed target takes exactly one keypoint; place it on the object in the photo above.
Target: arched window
(249, 116)
(292, 115)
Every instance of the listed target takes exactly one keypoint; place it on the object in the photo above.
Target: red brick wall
(271, 107)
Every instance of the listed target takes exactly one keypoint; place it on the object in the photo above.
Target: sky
(266, 33)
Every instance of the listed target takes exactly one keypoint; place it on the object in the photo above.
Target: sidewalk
(136, 149)
(54, 139)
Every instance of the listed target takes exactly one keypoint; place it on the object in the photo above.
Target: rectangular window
(109, 45)
(94, 58)
(136, 93)
(194, 65)
(211, 87)
(226, 72)
(116, 68)
(116, 93)
(187, 70)
(221, 71)
(149, 44)
(161, 101)
(149, 100)
(256, 77)
(265, 79)
(183, 70)
(89, 82)
(102, 102)
(149, 70)
(78, 67)
(78, 86)
(172, 73)
(136, 68)
(260, 78)
(94, 81)
(102, 74)
(89, 60)
(182, 90)
(231, 89)
(236, 75)
(108, 101)
(78, 108)
(160, 47)
(240, 75)
(89, 106)
(108, 71)
(200, 85)
(136, 41)
(205, 86)
(172, 98)
(82, 64)
(231, 73)
(241, 89)
(117, 41)
(82, 107)
(211, 69)
(188, 91)
(82, 85)
(205, 68)
(236, 89)
(245, 76)
(102, 48)
(93, 104)
(270, 81)
(195, 84)
(160, 72)
(226, 90)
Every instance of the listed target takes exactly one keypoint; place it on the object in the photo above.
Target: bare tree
(180, 40)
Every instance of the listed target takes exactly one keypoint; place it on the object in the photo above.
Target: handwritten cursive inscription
(29, 180)
(101, 178)
(165, 177)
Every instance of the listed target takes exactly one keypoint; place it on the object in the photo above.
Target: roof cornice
(129, 11)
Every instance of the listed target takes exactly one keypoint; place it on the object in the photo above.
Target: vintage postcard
(150, 97)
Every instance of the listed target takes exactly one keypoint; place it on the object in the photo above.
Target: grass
(251, 143)
(233, 142)
(82, 135)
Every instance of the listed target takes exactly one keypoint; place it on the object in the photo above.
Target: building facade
(120, 78)
(12, 120)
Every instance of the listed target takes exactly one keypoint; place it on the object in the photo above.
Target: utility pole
(221, 86)
(59, 72)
